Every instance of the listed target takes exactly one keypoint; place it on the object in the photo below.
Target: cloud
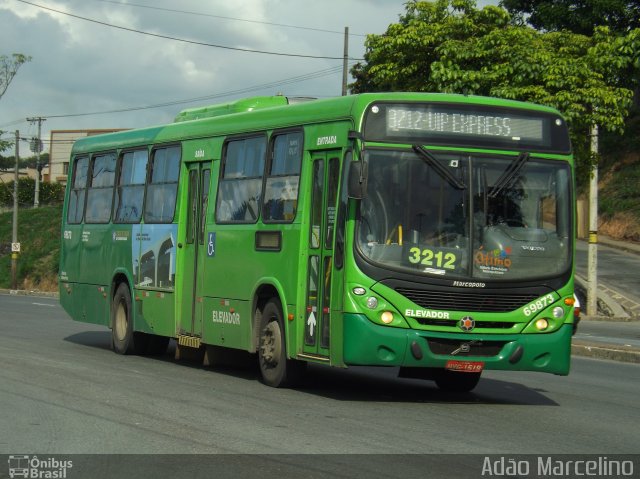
(81, 67)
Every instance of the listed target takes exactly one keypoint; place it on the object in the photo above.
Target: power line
(16, 122)
(199, 14)
(192, 42)
(275, 84)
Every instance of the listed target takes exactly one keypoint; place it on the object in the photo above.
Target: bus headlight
(386, 317)
(542, 324)
(372, 302)
(359, 291)
(558, 312)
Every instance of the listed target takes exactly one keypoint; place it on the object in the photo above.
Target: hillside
(619, 184)
(619, 200)
(39, 235)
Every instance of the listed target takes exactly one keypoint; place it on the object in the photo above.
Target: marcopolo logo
(37, 468)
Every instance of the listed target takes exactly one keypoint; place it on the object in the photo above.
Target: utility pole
(345, 62)
(15, 246)
(36, 147)
(592, 259)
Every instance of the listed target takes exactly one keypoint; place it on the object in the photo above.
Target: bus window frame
(150, 165)
(117, 184)
(221, 177)
(72, 188)
(267, 171)
(89, 186)
(343, 209)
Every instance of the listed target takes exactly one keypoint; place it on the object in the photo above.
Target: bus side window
(100, 192)
(78, 191)
(240, 189)
(281, 188)
(160, 204)
(130, 191)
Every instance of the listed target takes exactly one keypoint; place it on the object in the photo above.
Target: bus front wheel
(276, 369)
(456, 382)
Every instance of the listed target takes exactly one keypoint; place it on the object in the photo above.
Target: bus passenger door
(194, 249)
(324, 192)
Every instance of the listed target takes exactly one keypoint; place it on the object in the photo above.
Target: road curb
(612, 319)
(606, 302)
(22, 292)
(613, 352)
(628, 246)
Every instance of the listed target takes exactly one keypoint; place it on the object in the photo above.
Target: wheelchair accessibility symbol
(211, 245)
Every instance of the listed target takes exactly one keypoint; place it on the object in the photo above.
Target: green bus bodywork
(353, 285)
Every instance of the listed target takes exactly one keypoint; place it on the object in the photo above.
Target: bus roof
(265, 113)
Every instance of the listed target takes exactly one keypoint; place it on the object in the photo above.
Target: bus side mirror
(358, 175)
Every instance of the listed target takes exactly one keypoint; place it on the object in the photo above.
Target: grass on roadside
(39, 237)
(619, 200)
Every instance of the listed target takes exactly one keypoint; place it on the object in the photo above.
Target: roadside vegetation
(39, 237)
(619, 184)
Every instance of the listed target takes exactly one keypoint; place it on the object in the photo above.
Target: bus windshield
(455, 215)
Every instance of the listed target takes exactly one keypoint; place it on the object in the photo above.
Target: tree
(584, 17)
(32, 160)
(8, 163)
(50, 193)
(9, 66)
(3, 143)
(577, 16)
(401, 58)
(450, 46)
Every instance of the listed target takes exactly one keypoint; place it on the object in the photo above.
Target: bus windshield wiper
(441, 170)
(509, 175)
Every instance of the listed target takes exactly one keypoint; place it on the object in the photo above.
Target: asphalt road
(612, 332)
(63, 391)
(617, 269)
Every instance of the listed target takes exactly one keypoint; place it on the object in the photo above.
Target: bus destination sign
(405, 120)
(466, 125)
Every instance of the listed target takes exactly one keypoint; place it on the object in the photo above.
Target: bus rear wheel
(121, 321)
(276, 369)
(456, 382)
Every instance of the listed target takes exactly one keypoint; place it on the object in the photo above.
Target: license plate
(465, 366)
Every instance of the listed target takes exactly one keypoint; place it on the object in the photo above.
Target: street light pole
(14, 237)
(592, 263)
(345, 62)
(37, 148)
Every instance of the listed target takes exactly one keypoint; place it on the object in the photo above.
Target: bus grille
(472, 348)
(483, 302)
(453, 323)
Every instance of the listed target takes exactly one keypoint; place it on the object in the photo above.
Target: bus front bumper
(369, 344)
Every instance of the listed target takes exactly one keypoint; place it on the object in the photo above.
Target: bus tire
(122, 321)
(456, 382)
(276, 369)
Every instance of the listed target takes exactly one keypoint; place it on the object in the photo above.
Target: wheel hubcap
(270, 344)
(121, 322)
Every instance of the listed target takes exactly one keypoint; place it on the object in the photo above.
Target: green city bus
(428, 232)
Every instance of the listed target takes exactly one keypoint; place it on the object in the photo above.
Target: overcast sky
(82, 67)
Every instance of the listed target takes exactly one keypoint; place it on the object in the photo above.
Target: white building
(60, 150)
